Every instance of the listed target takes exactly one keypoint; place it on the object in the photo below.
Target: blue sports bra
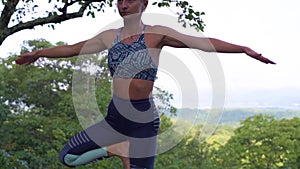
(131, 61)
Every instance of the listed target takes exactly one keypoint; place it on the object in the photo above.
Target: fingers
(258, 56)
(26, 59)
(264, 60)
(270, 62)
(20, 61)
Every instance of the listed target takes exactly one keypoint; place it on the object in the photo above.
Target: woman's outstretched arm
(176, 39)
(55, 52)
(90, 46)
(225, 47)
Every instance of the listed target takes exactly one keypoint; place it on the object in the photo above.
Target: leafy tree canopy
(261, 143)
(37, 113)
(18, 15)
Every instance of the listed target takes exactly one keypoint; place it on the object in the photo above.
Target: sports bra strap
(118, 39)
(144, 29)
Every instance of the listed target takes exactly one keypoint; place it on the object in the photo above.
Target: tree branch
(60, 14)
(8, 11)
(47, 20)
(67, 4)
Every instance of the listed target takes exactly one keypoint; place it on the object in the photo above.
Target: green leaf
(191, 10)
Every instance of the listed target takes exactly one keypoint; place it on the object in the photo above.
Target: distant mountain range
(233, 116)
(283, 98)
(240, 104)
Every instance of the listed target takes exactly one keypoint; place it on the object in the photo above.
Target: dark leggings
(134, 120)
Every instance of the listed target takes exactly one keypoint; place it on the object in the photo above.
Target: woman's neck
(132, 26)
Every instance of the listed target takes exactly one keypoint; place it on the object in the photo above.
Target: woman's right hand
(27, 58)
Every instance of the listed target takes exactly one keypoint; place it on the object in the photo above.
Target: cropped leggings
(136, 121)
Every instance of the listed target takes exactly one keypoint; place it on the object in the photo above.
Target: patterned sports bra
(131, 61)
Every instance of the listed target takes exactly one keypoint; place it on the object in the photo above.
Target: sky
(270, 27)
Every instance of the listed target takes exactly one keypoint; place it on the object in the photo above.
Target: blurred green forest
(38, 116)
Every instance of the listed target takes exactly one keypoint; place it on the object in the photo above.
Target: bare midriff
(132, 89)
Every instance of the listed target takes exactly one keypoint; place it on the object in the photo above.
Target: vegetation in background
(37, 117)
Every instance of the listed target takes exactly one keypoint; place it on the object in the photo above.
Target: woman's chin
(129, 15)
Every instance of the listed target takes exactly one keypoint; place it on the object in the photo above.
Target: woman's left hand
(257, 56)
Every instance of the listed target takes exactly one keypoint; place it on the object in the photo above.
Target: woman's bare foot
(120, 150)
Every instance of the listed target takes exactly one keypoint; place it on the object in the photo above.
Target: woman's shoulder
(110, 32)
(156, 28)
(107, 37)
(159, 29)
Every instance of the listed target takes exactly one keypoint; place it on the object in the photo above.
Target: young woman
(129, 130)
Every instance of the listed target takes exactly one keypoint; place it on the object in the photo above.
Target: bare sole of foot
(120, 150)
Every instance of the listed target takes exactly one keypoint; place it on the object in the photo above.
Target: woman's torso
(136, 88)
